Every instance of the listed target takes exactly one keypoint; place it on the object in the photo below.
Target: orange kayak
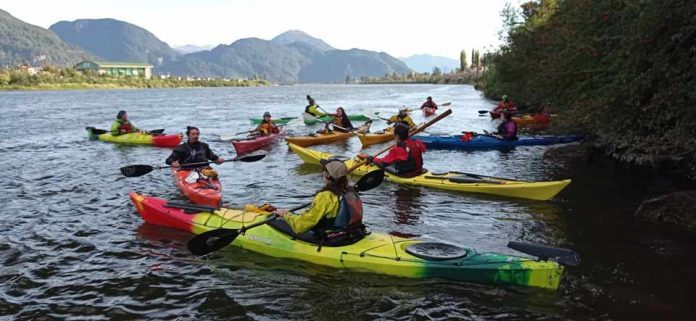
(203, 191)
(323, 138)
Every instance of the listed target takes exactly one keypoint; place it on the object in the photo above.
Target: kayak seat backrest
(339, 239)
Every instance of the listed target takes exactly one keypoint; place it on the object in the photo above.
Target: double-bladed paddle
(216, 239)
(97, 131)
(141, 169)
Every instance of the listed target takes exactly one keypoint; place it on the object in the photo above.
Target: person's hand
(363, 156)
(175, 164)
(280, 212)
(220, 161)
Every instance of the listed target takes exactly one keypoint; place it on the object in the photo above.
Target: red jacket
(502, 105)
(407, 157)
(429, 103)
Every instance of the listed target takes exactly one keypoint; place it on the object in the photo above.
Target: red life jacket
(414, 163)
(125, 127)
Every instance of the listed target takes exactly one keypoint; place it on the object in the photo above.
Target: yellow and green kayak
(453, 181)
(375, 253)
(159, 140)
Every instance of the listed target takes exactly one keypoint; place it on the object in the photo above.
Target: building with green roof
(117, 69)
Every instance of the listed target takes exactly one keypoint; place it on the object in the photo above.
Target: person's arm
(395, 154)
(323, 203)
(114, 128)
(174, 157)
(410, 122)
(209, 154)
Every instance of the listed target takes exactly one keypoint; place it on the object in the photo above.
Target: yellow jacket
(324, 205)
(407, 120)
(314, 111)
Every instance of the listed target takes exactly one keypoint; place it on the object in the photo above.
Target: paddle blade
(544, 252)
(482, 112)
(156, 131)
(136, 170)
(96, 131)
(370, 180)
(250, 158)
(211, 241)
(446, 104)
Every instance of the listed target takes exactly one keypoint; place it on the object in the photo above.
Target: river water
(72, 245)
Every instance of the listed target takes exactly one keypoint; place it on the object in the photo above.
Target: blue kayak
(478, 142)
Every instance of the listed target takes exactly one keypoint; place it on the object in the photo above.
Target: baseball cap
(336, 168)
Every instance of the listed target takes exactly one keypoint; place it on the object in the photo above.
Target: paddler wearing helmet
(402, 118)
(505, 104)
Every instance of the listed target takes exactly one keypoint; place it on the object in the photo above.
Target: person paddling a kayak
(122, 125)
(402, 119)
(312, 108)
(405, 159)
(192, 151)
(429, 103)
(340, 118)
(336, 209)
(507, 130)
(505, 104)
(266, 127)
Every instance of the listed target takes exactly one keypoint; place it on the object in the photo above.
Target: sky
(400, 28)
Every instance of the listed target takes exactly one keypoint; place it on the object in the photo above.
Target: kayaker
(267, 126)
(507, 130)
(312, 108)
(429, 103)
(340, 118)
(122, 125)
(192, 151)
(336, 208)
(505, 104)
(402, 118)
(405, 159)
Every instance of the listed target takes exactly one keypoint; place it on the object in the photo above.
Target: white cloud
(401, 28)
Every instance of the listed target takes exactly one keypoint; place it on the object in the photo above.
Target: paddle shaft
(410, 134)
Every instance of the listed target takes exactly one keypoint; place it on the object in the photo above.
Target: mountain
(426, 63)
(115, 40)
(335, 65)
(187, 49)
(242, 58)
(21, 42)
(293, 36)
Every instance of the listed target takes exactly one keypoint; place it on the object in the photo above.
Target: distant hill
(115, 40)
(293, 36)
(22, 42)
(187, 49)
(426, 63)
(335, 65)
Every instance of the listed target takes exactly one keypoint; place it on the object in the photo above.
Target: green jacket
(118, 123)
(325, 204)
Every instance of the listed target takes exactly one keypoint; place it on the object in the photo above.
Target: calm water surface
(73, 247)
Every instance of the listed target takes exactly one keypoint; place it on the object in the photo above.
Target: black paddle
(97, 131)
(216, 239)
(544, 252)
(140, 170)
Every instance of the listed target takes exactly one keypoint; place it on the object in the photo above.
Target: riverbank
(467, 77)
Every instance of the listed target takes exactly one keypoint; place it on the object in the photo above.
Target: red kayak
(197, 189)
(427, 111)
(244, 146)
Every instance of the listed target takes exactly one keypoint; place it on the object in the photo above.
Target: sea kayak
(159, 140)
(368, 139)
(527, 120)
(200, 191)
(311, 120)
(322, 138)
(479, 142)
(427, 111)
(375, 253)
(453, 181)
(243, 146)
(277, 121)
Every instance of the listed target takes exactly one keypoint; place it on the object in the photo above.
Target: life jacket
(347, 227)
(313, 110)
(402, 121)
(503, 131)
(125, 126)
(414, 163)
(268, 127)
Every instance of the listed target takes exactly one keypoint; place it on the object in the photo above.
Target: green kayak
(310, 120)
(278, 121)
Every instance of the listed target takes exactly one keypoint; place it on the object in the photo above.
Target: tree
(4, 77)
(437, 71)
(462, 60)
